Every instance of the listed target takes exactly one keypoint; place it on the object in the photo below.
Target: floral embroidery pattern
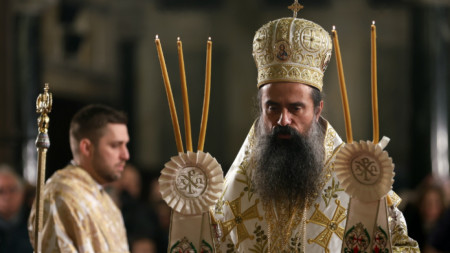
(331, 192)
(261, 240)
(357, 239)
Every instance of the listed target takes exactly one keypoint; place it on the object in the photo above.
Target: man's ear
(319, 110)
(86, 147)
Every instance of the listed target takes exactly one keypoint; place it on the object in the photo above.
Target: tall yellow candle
(376, 130)
(187, 117)
(201, 139)
(348, 125)
(173, 111)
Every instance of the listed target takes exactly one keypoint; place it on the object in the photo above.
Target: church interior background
(97, 51)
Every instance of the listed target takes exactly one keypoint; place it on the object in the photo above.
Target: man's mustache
(284, 130)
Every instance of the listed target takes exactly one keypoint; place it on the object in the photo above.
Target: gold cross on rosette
(295, 7)
(331, 225)
(238, 220)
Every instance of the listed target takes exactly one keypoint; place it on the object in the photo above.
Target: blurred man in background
(13, 213)
(79, 216)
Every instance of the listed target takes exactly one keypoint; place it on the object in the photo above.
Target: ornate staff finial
(295, 7)
(44, 106)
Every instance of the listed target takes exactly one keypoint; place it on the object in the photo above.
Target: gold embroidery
(331, 226)
(218, 208)
(395, 199)
(229, 247)
(329, 141)
(282, 221)
(261, 240)
(330, 153)
(309, 52)
(245, 164)
(401, 242)
(238, 220)
(330, 192)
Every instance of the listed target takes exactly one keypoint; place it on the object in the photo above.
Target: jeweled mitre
(292, 50)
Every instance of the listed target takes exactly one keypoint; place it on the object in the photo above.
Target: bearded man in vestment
(281, 193)
(78, 214)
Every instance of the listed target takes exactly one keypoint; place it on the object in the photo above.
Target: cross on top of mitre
(295, 7)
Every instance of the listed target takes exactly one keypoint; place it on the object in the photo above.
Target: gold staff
(43, 106)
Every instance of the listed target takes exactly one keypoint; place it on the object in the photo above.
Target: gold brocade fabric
(402, 243)
(79, 216)
(292, 50)
(242, 223)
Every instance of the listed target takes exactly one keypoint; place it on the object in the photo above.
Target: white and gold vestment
(79, 216)
(244, 224)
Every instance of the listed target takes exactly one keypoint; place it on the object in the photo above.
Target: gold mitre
(292, 50)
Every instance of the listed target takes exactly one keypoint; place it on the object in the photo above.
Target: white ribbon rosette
(365, 170)
(191, 182)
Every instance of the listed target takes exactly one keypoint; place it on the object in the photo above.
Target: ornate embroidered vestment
(79, 216)
(243, 223)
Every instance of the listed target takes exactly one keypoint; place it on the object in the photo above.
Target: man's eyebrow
(270, 102)
(297, 104)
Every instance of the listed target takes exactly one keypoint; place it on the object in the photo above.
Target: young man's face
(111, 153)
(288, 104)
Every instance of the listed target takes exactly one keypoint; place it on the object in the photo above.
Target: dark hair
(90, 121)
(316, 96)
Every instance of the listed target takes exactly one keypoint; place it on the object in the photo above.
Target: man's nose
(125, 154)
(285, 118)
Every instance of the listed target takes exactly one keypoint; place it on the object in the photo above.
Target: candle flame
(334, 28)
(178, 38)
(157, 37)
(209, 38)
(373, 22)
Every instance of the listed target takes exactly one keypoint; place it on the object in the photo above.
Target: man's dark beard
(288, 170)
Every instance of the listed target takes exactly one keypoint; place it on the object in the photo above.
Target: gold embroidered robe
(243, 224)
(79, 216)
